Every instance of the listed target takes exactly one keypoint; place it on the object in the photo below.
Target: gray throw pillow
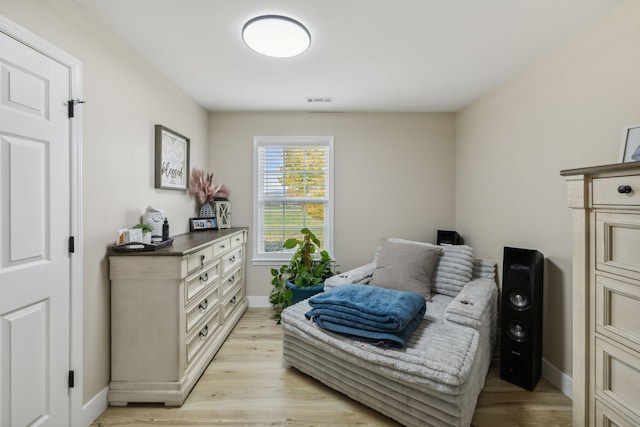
(452, 271)
(406, 266)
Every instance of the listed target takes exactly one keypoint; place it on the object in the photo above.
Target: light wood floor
(247, 385)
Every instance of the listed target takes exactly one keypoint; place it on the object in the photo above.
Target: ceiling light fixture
(276, 36)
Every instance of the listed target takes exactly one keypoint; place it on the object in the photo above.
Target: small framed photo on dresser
(630, 148)
(202, 224)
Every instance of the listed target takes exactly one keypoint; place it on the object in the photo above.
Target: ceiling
(368, 55)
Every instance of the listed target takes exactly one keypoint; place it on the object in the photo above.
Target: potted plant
(305, 274)
(146, 231)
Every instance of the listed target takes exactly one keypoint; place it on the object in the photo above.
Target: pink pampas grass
(202, 189)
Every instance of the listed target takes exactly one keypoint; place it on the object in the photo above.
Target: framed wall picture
(202, 224)
(172, 159)
(630, 148)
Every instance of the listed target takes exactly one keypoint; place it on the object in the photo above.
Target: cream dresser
(606, 294)
(171, 311)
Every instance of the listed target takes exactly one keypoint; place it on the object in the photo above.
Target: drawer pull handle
(202, 257)
(204, 332)
(625, 189)
(204, 278)
(222, 246)
(232, 279)
(203, 305)
(232, 301)
(232, 259)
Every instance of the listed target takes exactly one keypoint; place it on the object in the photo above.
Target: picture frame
(171, 159)
(202, 224)
(630, 147)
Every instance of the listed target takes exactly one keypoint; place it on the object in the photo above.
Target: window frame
(278, 258)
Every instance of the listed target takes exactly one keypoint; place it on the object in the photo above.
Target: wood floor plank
(247, 385)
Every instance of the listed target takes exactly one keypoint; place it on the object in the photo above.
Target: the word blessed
(171, 172)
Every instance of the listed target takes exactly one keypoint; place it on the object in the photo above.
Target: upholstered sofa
(436, 378)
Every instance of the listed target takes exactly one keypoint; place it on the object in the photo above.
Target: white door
(34, 232)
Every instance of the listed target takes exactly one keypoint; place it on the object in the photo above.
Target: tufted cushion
(406, 266)
(454, 270)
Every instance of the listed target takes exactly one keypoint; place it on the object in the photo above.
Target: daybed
(436, 378)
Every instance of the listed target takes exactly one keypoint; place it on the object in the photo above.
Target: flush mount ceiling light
(276, 36)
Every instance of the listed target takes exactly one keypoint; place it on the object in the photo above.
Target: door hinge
(71, 106)
(72, 244)
(72, 381)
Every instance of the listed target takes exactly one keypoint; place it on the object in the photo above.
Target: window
(293, 188)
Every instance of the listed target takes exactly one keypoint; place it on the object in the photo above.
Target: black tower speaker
(521, 326)
(449, 238)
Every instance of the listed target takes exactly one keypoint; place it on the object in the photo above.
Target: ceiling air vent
(319, 99)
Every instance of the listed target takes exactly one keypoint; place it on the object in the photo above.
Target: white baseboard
(557, 378)
(95, 407)
(258, 301)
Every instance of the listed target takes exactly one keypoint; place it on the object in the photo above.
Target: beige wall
(567, 110)
(125, 98)
(394, 175)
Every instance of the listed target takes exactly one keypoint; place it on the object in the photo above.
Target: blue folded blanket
(377, 315)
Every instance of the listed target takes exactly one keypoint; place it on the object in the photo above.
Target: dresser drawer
(210, 301)
(618, 243)
(199, 340)
(231, 301)
(617, 309)
(232, 260)
(199, 259)
(201, 280)
(605, 417)
(606, 191)
(229, 283)
(237, 240)
(221, 246)
(617, 377)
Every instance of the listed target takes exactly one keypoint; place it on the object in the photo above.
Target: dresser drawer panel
(199, 260)
(231, 301)
(231, 260)
(606, 417)
(205, 332)
(618, 243)
(617, 310)
(202, 307)
(618, 376)
(237, 240)
(229, 283)
(221, 246)
(199, 281)
(613, 190)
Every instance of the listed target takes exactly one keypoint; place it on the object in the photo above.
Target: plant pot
(300, 294)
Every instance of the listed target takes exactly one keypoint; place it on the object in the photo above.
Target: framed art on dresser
(630, 148)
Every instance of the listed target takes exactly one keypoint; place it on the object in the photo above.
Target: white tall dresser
(171, 310)
(606, 294)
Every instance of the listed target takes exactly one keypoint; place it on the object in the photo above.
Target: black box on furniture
(521, 325)
(449, 238)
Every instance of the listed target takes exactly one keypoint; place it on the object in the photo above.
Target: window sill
(270, 262)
